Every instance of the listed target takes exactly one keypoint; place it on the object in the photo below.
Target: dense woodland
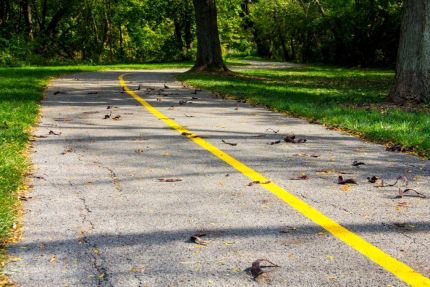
(341, 32)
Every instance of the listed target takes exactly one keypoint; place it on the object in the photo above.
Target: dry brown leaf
(258, 182)
(300, 177)
(169, 179)
(257, 271)
(196, 238)
(229, 143)
(357, 163)
(341, 180)
(54, 133)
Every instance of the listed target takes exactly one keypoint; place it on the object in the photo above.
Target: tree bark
(412, 82)
(26, 12)
(209, 56)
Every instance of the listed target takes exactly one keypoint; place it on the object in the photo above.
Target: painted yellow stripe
(399, 269)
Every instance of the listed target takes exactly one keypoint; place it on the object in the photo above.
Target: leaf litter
(257, 271)
(294, 139)
(229, 143)
(197, 239)
(169, 179)
(300, 177)
(258, 182)
(357, 163)
(341, 180)
(54, 133)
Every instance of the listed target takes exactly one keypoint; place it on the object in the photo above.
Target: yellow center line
(399, 269)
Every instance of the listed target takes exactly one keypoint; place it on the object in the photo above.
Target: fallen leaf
(166, 86)
(331, 171)
(274, 142)
(293, 139)
(402, 193)
(401, 178)
(169, 179)
(188, 116)
(289, 230)
(340, 180)
(300, 177)
(57, 92)
(116, 118)
(108, 116)
(196, 238)
(92, 93)
(54, 133)
(257, 270)
(229, 143)
(372, 179)
(357, 163)
(53, 259)
(346, 187)
(258, 182)
(24, 198)
(67, 149)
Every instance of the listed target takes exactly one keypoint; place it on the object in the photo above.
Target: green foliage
(350, 32)
(351, 99)
(346, 32)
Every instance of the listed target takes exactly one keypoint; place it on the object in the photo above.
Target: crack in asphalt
(92, 249)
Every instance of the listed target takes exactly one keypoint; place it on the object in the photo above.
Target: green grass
(332, 96)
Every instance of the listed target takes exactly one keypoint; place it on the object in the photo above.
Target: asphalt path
(104, 212)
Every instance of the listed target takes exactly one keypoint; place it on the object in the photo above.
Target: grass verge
(348, 99)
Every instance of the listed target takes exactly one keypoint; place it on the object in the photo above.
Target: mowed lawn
(349, 99)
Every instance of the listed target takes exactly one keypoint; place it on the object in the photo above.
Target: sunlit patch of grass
(330, 95)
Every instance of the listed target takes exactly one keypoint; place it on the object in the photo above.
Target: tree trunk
(209, 56)
(412, 82)
(26, 12)
(281, 38)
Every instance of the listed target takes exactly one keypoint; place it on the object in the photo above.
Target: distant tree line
(343, 32)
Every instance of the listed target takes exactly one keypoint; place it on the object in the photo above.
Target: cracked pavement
(99, 216)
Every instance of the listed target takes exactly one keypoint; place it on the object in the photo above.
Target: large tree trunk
(209, 57)
(412, 82)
